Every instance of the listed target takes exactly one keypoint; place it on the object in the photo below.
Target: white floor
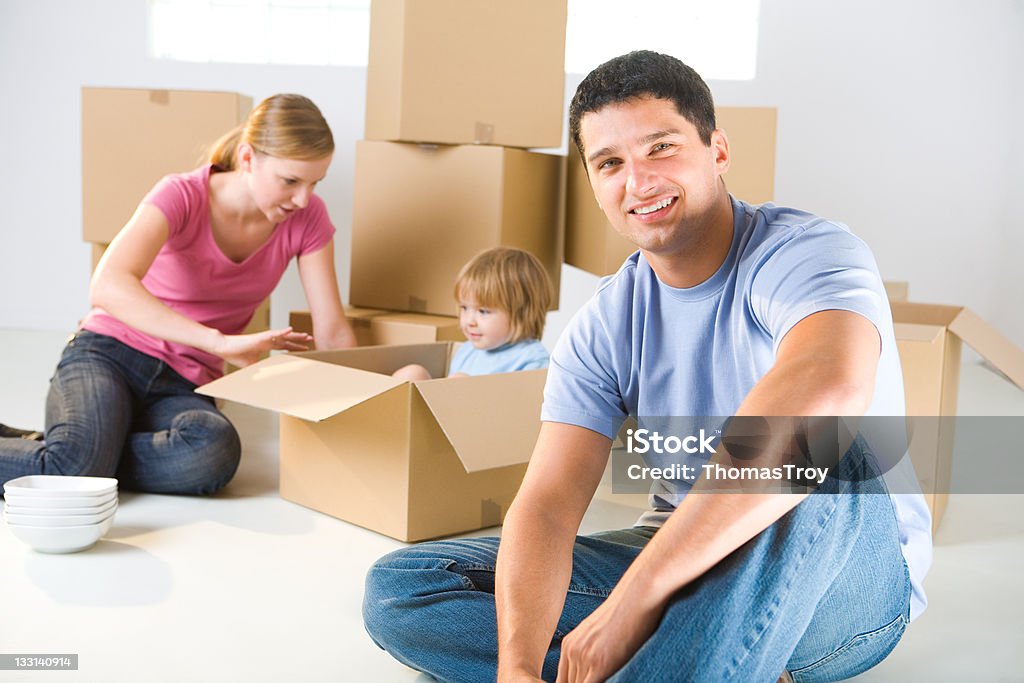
(247, 587)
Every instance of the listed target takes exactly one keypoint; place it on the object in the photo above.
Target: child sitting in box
(503, 295)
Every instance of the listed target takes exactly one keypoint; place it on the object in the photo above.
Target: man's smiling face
(654, 178)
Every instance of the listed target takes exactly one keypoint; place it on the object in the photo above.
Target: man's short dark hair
(644, 74)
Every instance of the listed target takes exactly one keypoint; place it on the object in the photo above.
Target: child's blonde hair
(512, 280)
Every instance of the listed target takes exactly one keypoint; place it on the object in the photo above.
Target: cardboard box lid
(301, 387)
(466, 409)
(1003, 354)
(917, 333)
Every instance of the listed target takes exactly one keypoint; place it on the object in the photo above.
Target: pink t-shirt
(193, 276)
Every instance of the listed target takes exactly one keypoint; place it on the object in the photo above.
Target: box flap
(923, 314)
(994, 347)
(918, 333)
(490, 420)
(300, 387)
(385, 359)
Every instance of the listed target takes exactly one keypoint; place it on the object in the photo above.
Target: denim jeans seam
(586, 590)
(787, 588)
(854, 643)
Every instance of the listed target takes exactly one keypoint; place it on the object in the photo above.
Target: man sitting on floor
(727, 309)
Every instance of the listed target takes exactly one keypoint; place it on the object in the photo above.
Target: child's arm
(412, 373)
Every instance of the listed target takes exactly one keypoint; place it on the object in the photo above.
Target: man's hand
(606, 640)
(245, 349)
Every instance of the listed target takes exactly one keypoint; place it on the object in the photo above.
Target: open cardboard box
(412, 460)
(929, 337)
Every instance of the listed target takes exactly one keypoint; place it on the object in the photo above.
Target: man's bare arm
(535, 555)
(826, 365)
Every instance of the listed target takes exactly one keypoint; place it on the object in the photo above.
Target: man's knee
(407, 578)
(388, 587)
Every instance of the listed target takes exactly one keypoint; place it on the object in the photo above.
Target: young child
(503, 295)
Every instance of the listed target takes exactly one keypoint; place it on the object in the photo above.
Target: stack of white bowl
(58, 514)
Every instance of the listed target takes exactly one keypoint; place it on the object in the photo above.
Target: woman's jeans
(823, 593)
(113, 411)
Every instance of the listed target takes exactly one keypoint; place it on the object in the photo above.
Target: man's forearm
(700, 533)
(533, 571)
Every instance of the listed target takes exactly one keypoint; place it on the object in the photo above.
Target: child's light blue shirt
(529, 354)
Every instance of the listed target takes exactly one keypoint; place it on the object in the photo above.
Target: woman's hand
(245, 349)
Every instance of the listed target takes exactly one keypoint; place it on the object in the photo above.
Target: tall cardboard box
(929, 337)
(411, 460)
(467, 71)
(420, 212)
(132, 138)
(375, 327)
(593, 245)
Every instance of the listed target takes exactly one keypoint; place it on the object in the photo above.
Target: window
(261, 31)
(718, 39)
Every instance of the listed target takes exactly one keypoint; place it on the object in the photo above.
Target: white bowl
(89, 510)
(60, 503)
(58, 520)
(60, 539)
(59, 486)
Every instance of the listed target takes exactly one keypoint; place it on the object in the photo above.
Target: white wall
(897, 118)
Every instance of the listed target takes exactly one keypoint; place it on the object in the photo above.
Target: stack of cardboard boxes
(453, 101)
(458, 91)
(132, 138)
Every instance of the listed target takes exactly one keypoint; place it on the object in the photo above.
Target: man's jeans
(824, 593)
(113, 411)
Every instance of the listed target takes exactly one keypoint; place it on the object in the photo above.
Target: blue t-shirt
(642, 348)
(528, 354)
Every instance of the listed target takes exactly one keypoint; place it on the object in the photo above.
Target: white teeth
(653, 207)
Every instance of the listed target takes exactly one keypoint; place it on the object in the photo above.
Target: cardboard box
(929, 338)
(132, 138)
(412, 460)
(374, 327)
(593, 245)
(443, 205)
(466, 71)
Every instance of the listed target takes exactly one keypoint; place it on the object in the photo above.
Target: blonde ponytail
(286, 126)
(224, 151)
